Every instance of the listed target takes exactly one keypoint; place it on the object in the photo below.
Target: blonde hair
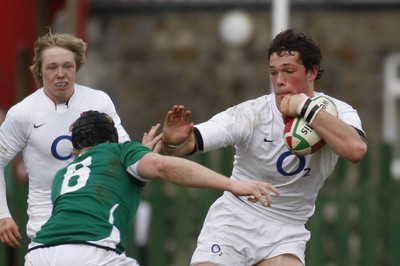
(63, 40)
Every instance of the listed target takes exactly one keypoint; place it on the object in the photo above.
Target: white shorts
(234, 235)
(77, 255)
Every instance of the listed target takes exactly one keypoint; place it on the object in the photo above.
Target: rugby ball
(300, 137)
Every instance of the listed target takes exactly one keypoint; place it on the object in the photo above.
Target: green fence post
(341, 229)
(315, 246)
(158, 227)
(394, 225)
(391, 205)
(182, 227)
(385, 199)
(370, 215)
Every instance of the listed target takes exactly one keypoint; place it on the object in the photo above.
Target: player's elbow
(154, 166)
(165, 167)
(356, 152)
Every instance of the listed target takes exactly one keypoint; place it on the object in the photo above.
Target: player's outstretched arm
(188, 173)
(9, 234)
(178, 138)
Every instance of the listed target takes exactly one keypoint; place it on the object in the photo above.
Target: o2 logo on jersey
(216, 249)
(301, 165)
(57, 143)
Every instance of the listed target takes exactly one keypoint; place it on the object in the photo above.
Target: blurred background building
(209, 55)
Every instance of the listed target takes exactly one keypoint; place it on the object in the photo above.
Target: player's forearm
(187, 173)
(342, 138)
(4, 211)
(5, 159)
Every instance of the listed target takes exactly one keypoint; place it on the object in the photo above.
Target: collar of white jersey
(62, 106)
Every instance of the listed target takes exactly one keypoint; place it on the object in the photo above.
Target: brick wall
(148, 62)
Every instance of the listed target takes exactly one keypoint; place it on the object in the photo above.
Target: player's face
(58, 72)
(288, 76)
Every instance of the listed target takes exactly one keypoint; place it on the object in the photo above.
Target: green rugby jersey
(95, 198)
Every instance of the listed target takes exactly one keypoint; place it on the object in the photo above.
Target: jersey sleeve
(122, 134)
(131, 154)
(350, 116)
(13, 135)
(226, 128)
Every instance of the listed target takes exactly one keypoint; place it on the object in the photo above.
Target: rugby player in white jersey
(96, 196)
(237, 232)
(39, 127)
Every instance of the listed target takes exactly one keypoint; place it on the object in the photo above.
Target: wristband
(170, 147)
(309, 110)
(312, 114)
(304, 106)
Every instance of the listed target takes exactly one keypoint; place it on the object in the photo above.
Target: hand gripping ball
(300, 137)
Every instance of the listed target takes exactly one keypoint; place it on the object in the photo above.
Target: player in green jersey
(96, 196)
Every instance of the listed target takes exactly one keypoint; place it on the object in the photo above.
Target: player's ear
(313, 73)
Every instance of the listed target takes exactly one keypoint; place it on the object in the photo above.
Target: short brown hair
(290, 41)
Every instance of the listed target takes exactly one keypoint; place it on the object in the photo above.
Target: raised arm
(188, 173)
(178, 137)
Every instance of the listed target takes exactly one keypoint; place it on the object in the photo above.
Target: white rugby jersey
(40, 130)
(255, 129)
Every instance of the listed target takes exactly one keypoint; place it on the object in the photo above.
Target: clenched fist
(291, 105)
